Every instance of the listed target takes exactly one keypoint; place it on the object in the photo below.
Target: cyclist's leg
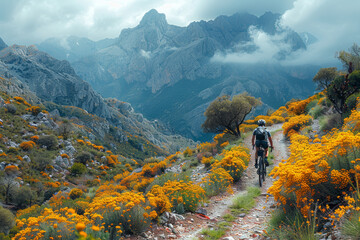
(266, 147)
(257, 144)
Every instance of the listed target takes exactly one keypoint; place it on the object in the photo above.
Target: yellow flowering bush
(218, 181)
(234, 161)
(295, 123)
(183, 196)
(120, 213)
(318, 170)
(50, 225)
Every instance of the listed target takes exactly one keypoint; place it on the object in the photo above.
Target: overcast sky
(335, 23)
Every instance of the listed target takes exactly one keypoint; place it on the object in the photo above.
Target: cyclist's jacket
(261, 133)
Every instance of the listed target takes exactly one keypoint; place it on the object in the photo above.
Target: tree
(7, 220)
(24, 197)
(224, 113)
(341, 89)
(65, 129)
(353, 56)
(324, 77)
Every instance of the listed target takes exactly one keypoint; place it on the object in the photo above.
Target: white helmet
(261, 122)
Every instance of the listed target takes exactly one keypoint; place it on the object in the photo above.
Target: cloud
(334, 23)
(32, 21)
(262, 48)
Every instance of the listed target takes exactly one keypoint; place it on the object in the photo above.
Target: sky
(334, 23)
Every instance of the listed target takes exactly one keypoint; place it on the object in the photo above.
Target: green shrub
(13, 150)
(7, 220)
(10, 108)
(316, 111)
(311, 105)
(83, 157)
(49, 141)
(24, 197)
(77, 169)
(329, 122)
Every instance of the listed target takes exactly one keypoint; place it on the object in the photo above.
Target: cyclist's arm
(271, 142)
(253, 140)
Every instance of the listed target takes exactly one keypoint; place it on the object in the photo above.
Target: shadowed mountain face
(171, 73)
(2, 44)
(26, 71)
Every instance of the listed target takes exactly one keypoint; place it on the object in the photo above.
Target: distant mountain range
(170, 73)
(42, 79)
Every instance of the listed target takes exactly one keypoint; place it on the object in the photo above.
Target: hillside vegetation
(59, 182)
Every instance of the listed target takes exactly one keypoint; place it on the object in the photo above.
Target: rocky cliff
(28, 72)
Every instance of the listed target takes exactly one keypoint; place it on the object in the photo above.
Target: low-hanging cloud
(263, 48)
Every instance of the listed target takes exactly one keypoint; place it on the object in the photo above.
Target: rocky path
(251, 225)
(254, 223)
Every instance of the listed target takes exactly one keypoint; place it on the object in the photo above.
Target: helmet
(261, 122)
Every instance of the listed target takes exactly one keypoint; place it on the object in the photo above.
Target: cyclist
(262, 136)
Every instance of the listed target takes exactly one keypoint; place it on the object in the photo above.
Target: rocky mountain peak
(154, 19)
(2, 44)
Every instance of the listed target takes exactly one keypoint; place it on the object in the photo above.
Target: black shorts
(262, 143)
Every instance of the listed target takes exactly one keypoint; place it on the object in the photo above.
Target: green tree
(7, 220)
(65, 129)
(228, 114)
(24, 197)
(341, 88)
(324, 77)
(353, 56)
(77, 169)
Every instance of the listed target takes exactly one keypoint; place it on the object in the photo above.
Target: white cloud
(334, 23)
(266, 49)
(32, 21)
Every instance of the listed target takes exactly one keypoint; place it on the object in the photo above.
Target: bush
(78, 169)
(24, 197)
(218, 181)
(330, 122)
(26, 146)
(75, 193)
(83, 157)
(7, 220)
(49, 141)
(316, 111)
(11, 108)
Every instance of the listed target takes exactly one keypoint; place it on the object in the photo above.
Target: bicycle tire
(260, 171)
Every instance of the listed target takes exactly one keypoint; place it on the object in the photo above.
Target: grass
(351, 226)
(290, 225)
(244, 202)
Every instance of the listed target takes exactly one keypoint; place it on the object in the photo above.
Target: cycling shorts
(262, 143)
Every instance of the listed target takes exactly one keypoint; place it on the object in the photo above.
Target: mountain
(308, 38)
(73, 48)
(172, 73)
(46, 80)
(2, 44)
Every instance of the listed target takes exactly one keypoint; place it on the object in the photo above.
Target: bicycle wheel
(260, 171)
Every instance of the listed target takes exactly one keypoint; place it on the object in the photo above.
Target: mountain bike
(261, 171)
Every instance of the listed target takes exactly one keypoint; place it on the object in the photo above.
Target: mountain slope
(43, 79)
(155, 60)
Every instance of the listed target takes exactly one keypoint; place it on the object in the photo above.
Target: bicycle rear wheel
(260, 171)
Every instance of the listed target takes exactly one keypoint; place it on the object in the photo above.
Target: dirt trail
(252, 225)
